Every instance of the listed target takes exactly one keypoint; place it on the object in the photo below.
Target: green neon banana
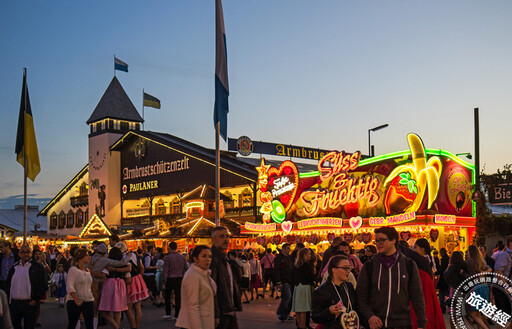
(425, 173)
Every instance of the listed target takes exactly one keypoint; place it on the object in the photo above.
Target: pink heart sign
(355, 222)
(287, 226)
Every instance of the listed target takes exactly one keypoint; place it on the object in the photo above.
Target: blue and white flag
(120, 65)
(221, 73)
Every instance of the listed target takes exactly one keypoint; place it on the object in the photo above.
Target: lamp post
(370, 153)
(467, 155)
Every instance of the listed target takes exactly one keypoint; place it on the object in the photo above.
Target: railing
(77, 201)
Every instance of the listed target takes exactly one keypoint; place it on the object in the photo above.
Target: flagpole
(114, 65)
(217, 173)
(142, 108)
(25, 170)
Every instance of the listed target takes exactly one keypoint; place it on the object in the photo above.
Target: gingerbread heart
(283, 183)
(276, 239)
(348, 237)
(290, 239)
(367, 237)
(261, 240)
(434, 234)
(405, 235)
(298, 239)
(313, 238)
(350, 320)
(330, 237)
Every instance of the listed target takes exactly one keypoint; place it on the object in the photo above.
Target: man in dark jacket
(283, 277)
(329, 252)
(227, 299)
(28, 285)
(387, 283)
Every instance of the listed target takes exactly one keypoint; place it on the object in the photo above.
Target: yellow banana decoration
(426, 174)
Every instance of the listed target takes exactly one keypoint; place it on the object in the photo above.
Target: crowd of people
(386, 285)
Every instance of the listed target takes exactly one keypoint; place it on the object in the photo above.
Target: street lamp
(467, 154)
(370, 153)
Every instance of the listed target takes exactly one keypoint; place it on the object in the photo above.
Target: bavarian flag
(151, 101)
(26, 145)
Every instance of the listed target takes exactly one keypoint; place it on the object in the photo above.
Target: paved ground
(256, 315)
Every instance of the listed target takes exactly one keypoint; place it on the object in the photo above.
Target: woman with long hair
(336, 296)
(475, 263)
(454, 275)
(422, 247)
(256, 276)
(197, 292)
(113, 294)
(79, 296)
(305, 282)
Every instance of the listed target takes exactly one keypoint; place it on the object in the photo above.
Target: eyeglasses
(346, 268)
(380, 240)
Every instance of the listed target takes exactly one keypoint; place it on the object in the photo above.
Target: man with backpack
(267, 263)
(386, 285)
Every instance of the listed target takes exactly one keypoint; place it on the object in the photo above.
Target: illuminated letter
(296, 153)
(280, 149)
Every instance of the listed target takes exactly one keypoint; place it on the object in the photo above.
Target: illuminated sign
(95, 227)
(194, 204)
(143, 186)
(444, 219)
(161, 167)
(260, 227)
(275, 149)
(393, 220)
(343, 189)
(137, 212)
(320, 222)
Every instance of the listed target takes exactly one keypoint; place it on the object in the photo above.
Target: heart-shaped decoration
(313, 238)
(405, 235)
(434, 234)
(355, 222)
(290, 239)
(367, 237)
(330, 237)
(359, 237)
(276, 239)
(261, 240)
(284, 182)
(287, 226)
(348, 237)
(350, 320)
(298, 239)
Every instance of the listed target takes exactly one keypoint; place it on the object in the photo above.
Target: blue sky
(311, 73)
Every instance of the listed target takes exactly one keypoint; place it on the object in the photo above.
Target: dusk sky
(309, 73)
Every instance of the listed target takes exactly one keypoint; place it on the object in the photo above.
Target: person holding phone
(336, 297)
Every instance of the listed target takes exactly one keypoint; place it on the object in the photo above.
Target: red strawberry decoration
(434, 234)
(400, 194)
(352, 209)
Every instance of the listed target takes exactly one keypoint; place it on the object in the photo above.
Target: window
(62, 219)
(124, 125)
(86, 219)
(70, 219)
(83, 189)
(79, 218)
(245, 198)
(53, 220)
(160, 208)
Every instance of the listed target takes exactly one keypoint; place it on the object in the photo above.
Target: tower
(114, 115)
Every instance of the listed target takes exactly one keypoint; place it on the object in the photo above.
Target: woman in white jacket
(197, 293)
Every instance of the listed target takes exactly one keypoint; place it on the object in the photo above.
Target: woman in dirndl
(305, 282)
(136, 290)
(113, 294)
(255, 276)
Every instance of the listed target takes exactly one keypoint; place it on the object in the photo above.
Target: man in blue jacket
(386, 284)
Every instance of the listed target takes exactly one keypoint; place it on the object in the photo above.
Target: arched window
(83, 189)
(176, 206)
(62, 219)
(79, 221)
(53, 221)
(70, 220)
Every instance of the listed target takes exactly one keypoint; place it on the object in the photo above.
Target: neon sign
(393, 220)
(320, 222)
(444, 219)
(344, 189)
(260, 227)
(194, 204)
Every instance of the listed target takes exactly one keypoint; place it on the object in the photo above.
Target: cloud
(15, 200)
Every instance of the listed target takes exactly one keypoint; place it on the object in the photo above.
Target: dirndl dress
(302, 298)
(113, 296)
(136, 290)
(60, 290)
